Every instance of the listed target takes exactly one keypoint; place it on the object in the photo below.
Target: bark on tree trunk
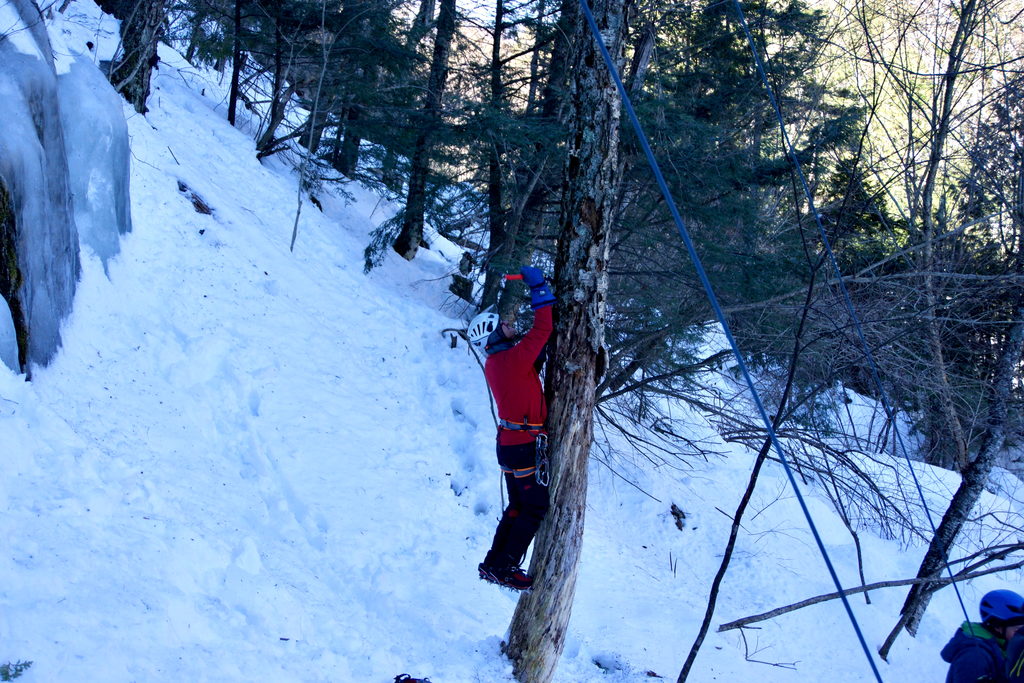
(411, 236)
(507, 250)
(537, 632)
(420, 25)
(975, 473)
(347, 158)
(500, 240)
(140, 34)
(943, 108)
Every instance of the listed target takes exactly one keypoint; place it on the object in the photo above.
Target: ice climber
(976, 653)
(512, 370)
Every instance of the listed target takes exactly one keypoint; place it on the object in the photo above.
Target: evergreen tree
(711, 125)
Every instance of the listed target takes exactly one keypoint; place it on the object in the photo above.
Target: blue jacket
(975, 655)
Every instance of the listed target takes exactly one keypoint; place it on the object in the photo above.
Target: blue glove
(540, 293)
(532, 276)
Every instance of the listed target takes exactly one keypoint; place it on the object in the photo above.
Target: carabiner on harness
(542, 465)
(543, 473)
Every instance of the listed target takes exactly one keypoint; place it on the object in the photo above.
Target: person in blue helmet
(977, 652)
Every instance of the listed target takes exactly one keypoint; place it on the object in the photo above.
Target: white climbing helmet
(480, 328)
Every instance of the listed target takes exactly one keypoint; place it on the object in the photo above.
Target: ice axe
(507, 277)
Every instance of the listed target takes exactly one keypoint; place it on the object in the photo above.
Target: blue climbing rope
(847, 299)
(720, 315)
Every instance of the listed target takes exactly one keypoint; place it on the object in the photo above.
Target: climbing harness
(542, 464)
(524, 426)
(520, 473)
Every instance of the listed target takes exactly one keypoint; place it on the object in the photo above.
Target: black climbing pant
(527, 505)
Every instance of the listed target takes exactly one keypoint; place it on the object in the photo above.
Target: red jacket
(514, 381)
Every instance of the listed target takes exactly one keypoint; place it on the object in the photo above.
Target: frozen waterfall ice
(64, 164)
(34, 172)
(98, 155)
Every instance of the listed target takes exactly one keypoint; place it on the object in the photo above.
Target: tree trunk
(10, 273)
(943, 109)
(265, 146)
(537, 632)
(993, 440)
(531, 93)
(641, 59)
(194, 36)
(346, 159)
(420, 24)
(411, 236)
(237, 62)
(495, 196)
(140, 34)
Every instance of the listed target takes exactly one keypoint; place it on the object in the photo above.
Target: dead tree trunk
(537, 632)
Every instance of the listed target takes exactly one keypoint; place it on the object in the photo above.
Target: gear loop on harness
(524, 426)
(542, 464)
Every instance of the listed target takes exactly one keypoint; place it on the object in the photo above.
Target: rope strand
(847, 299)
(720, 315)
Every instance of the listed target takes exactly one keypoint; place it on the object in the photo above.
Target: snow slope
(248, 464)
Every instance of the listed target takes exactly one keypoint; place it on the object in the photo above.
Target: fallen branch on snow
(937, 581)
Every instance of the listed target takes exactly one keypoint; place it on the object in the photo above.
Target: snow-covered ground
(248, 464)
